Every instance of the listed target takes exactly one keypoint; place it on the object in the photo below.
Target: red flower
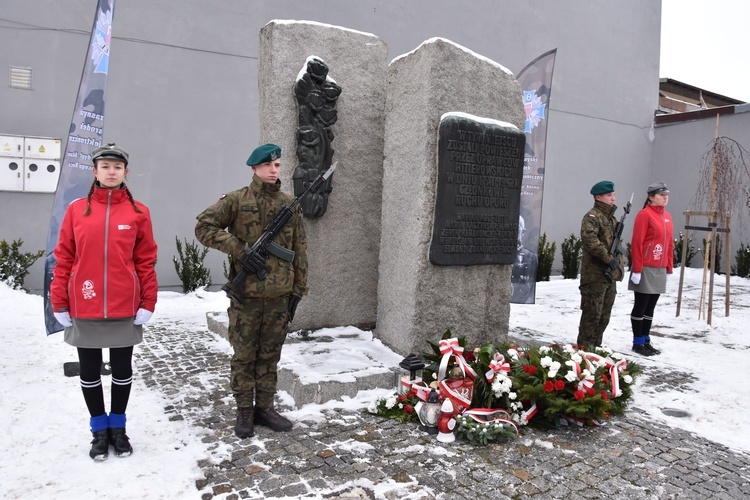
(401, 398)
(528, 356)
(605, 379)
(412, 392)
(604, 395)
(559, 385)
(469, 357)
(590, 391)
(532, 370)
(579, 395)
(408, 409)
(549, 386)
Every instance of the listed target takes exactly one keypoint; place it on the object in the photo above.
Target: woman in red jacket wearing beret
(652, 253)
(104, 288)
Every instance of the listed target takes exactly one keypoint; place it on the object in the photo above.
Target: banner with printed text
(84, 135)
(536, 85)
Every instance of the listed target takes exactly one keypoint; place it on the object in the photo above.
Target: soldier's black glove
(253, 262)
(613, 264)
(293, 303)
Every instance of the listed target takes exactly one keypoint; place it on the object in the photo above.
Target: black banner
(536, 84)
(85, 135)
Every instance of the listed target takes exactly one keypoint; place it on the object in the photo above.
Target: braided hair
(91, 192)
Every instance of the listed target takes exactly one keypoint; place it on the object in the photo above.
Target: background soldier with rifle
(275, 279)
(601, 264)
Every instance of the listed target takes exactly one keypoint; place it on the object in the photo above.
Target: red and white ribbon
(497, 365)
(451, 348)
(460, 402)
(486, 416)
(529, 414)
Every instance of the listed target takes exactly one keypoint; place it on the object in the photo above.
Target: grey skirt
(101, 333)
(653, 281)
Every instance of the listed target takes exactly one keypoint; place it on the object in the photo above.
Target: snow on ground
(46, 438)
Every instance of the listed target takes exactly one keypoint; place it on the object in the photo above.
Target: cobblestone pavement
(355, 455)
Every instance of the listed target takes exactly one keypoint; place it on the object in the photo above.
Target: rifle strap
(282, 253)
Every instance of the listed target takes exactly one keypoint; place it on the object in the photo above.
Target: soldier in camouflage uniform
(597, 290)
(257, 327)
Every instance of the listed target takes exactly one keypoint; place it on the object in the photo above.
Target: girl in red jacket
(104, 288)
(652, 253)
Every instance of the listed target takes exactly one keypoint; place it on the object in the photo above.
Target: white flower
(512, 396)
(555, 366)
(571, 376)
(544, 350)
(627, 379)
(586, 373)
(552, 373)
(545, 361)
(616, 356)
(390, 402)
(434, 375)
(577, 358)
(400, 406)
(569, 349)
(571, 364)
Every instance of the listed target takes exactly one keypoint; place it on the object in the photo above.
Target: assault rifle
(264, 245)
(615, 250)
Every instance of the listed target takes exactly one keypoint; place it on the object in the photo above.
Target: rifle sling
(282, 253)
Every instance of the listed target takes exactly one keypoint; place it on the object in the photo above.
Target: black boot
(100, 445)
(245, 427)
(271, 419)
(120, 441)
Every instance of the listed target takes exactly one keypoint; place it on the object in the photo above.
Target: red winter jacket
(653, 243)
(105, 260)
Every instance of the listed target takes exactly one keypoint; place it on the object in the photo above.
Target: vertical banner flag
(536, 85)
(85, 135)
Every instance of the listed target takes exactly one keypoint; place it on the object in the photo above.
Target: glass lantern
(428, 413)
(409, 372)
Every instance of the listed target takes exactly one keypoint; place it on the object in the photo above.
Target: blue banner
(84, 135)
(536, 85)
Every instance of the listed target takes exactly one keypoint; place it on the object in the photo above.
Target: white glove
(635, 278)
(142, 316)
(64, 318)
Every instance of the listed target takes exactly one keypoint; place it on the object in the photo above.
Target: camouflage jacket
(597, 234)
(237, 220)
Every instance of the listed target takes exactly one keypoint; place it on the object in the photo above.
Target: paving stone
(633, 457)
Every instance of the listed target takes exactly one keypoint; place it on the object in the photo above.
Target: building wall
(682, 157)
(183, 95)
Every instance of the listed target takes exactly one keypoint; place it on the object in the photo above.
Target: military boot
(245, 424)
(271, 419)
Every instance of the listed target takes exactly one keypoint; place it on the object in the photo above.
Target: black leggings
(91, 380)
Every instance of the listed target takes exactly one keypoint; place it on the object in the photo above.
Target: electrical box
(11, 174)
(30, 164)
(41, 175)
(11, 146)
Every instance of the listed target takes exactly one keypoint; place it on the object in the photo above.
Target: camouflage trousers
(597, 300)
(257, 331)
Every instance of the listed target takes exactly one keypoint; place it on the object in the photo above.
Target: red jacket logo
(88, 290)
(658, 250)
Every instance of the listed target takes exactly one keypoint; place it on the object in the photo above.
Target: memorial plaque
(480, 166)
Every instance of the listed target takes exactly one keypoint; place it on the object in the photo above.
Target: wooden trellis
(708, 262)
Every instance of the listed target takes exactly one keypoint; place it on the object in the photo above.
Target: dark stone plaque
(480, 165)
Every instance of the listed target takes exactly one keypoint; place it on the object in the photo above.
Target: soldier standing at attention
(257, 327)
(598, 290)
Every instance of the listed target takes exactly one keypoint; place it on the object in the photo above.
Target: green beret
(603, 187)
(264, 154)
